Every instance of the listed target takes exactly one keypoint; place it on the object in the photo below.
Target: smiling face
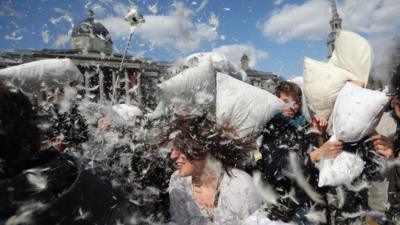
(291, 106)
(187, 167)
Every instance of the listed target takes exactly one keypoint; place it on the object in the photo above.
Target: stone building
(89, 36)
(92, 53)
(261, 79)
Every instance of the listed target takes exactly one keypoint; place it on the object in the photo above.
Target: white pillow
(219, 62)
(190, 89)
(322, 83)
(49, 72)
(352, 53)
(341, 170)
(243, 106)
(357, 112)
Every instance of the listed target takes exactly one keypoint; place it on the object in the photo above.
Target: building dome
(90, 36)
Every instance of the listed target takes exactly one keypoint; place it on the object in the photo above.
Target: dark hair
(291, 89)
(198, 136)
(19, 134)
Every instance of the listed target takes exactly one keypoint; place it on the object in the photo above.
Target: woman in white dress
(206, 188)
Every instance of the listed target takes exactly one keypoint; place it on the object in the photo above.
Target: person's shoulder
(240, 177)
(177, 181)
(273, 121)
(175, 177)
(271, 127)
(242, 186)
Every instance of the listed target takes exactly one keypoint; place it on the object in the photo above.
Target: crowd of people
(206, 177)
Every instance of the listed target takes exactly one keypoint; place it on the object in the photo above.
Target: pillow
(219, 62)
(352, 53)
(49, 72)
(357, 112)
(244, 107)
(191, 89)
(322, 83)
(341, 170)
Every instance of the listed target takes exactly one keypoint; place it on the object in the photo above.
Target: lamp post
(134, 18)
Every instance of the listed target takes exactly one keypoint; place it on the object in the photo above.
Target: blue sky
(276, 34)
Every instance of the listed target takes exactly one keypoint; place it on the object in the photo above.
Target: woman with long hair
(207, 187)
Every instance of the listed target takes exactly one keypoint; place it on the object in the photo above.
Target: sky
(275, 34)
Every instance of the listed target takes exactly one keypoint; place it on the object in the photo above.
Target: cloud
(61, 41)
(378, 17)
(7, 10)
(98, 9)
(174, 30)
(45, 36)
(236, 51)
(14, 36)
(122, 9)
(67, 16)
(117, 26)
(310, 20)
(292, 21)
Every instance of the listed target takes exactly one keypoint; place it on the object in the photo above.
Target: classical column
(87, 84)
(126, 86)
(101, 85)
(139, 88)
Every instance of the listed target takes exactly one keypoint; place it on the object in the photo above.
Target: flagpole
(120, 66)
(134, 17)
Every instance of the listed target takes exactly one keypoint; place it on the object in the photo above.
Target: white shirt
(238, 199)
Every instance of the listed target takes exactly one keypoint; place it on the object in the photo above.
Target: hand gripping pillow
(190, 89)
(49, 72)
(220, 63)
(244, 107)
(322, 83)
(356, 114)
(352, 53)
(341, 170)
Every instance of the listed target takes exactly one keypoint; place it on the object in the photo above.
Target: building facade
(264, 80)
(136, 82)
(92, 54)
